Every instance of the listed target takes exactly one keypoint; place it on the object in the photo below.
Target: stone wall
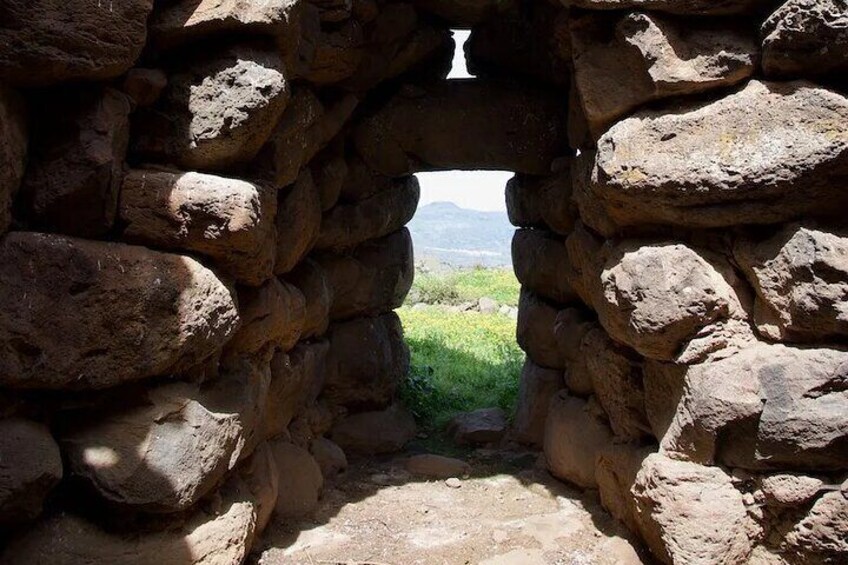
(203, 205)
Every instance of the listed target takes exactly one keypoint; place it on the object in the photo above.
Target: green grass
(460, 361)
(465, 285)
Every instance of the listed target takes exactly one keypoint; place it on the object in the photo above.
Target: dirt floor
(510, 511)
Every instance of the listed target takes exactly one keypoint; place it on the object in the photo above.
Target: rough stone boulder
(273, 314)
(375, 433)
(298, 223)
(85, 314)
(437, 466)
(789, 489)
(739, 160)
(338, 54)
(667, 300)
(688, 513)
(30, 466)
(441, 126)
(487, 425)
(372, 279)
(806, 38)
(541, 264)
(820, 536)
(13, 151)
(166, 449)
(296, 381)
(616, 468)
(649, 57)
(50, 41)
(228, 220)
(800, 275)
(144, 86)
(543, 202)
(210, 536)
(538, 387)
(348, 225)
(464, 14)
(767, 407)
(78, 142)
(217, 110)
(576, 432)
(313, 283)
(300, 481)
(682, 7)
(537, 333)
(366, 361)
(329, 457)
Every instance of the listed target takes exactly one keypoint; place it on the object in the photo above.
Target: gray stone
(538, 386)
(375, 433)
(300, 481)
(542, 265)
(486, 425)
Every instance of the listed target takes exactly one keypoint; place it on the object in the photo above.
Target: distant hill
(461, 238)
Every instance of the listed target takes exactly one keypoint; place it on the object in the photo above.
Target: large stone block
(30, 466)
(84, 314)
(688, 513)
(296, 381)
(375, 433)
(366, 361)
(542, 265)
(14, 136)
(576, 432)
(338, 54)
(537, 332)
(313, 283)
(165, 449)
(228, 220)
(50, 41)
(348, 225)
(217, 111)
(79, 138)
(465, 124)
(298, 223)
(820, 536)
(623, 62)
(616, 468)
(372, 279)
(272, 315)
(300, 481)
(538, 387)
(737, 160)
(800, 275)
(806, 38)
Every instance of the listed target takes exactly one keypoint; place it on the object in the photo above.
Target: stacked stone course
(202, 210)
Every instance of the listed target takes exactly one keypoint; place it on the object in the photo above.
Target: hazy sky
(477, 190)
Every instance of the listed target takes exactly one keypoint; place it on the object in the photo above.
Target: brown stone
(820, 536)
(228, 220)
(372, 279)
(30, 466)
(542, 265)
(348, 225)
(300, 481)
(144, 86)
(296, 381)
(329, 457)
(427, 128)
(78, 143)
(309, 277)
(298, 223)
(648, 57)
(85, 314)
(273, 314)
(338, 53)
(437, 466)
(463, 14)
(13, 151)
(480, 427)
(51, 41)
(616, 468)
(537, 333)
(375, 433)
(366, 361)
(538, 386)
(217, 111)
(329, 171)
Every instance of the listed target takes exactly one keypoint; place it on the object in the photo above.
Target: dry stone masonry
(202, 210)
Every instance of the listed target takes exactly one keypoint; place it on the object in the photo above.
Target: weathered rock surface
(820, 536)
(806, 38)
(770, 406)
(329, 457)
(296, 381)
(690, 514)
(338, 54)
(126, 312)
(273, 314)
(309, 277)
(366, 361)
(790, 489)
(538, 387)
(30, 466)
(144, 86)
(217, 111)
(537, 331)
(427, 128)
(575, 433)
(542, 265)
(228, 220)
(209, 537)
(300, 481)
(51, 41)
(487, 425)
(298, 223)
(616, 468)
(738, 160)
(374, 433)
(800, 275)
(174, 444)
(348, 225)
(372, 279)
(682, 7)
(13, 151)
(78, 143)
(649, 57)
(437, 466)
